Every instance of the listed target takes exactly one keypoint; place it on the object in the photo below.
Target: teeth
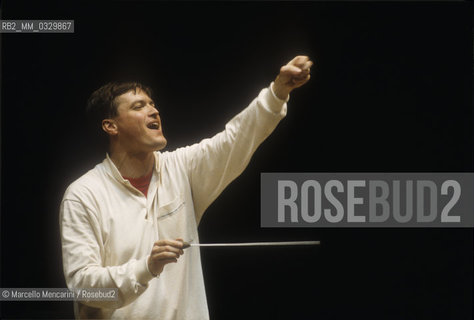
(153, 126)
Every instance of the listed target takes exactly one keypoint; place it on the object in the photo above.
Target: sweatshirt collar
(115, 173)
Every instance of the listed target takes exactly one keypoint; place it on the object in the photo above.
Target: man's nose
(153, 112)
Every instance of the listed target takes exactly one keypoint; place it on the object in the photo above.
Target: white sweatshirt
(108, 227)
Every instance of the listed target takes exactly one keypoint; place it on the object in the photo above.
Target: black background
(390, 92)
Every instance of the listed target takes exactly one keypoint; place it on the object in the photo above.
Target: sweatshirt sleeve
(82, 253)
(215, 162)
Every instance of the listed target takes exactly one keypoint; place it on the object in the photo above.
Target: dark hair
(102, 105)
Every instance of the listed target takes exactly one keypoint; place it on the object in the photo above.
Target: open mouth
(153, 126)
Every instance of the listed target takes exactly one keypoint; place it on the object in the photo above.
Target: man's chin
(160, 145)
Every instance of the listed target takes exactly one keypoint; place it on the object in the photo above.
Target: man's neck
(133, 165)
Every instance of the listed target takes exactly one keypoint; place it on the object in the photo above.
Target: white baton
(252, 244)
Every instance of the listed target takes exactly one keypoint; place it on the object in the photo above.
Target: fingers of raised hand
(298, 82)
(297, 69)
(302, 62)
(307, 65)
(290, 70)
(298, 60)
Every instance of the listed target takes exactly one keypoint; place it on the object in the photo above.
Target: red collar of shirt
(141, 183)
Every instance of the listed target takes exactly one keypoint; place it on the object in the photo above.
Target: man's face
(138, 123)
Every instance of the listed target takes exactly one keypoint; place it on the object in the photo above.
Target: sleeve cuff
(142, 272)
(275, 96)
(272, 103)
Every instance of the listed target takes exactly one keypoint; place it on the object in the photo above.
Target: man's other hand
(292, 75)
(164, 252)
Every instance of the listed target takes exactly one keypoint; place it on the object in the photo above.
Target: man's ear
(110, 127)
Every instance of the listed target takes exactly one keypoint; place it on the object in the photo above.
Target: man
(123, 222)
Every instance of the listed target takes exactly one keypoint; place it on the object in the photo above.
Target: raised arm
(214, 163)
